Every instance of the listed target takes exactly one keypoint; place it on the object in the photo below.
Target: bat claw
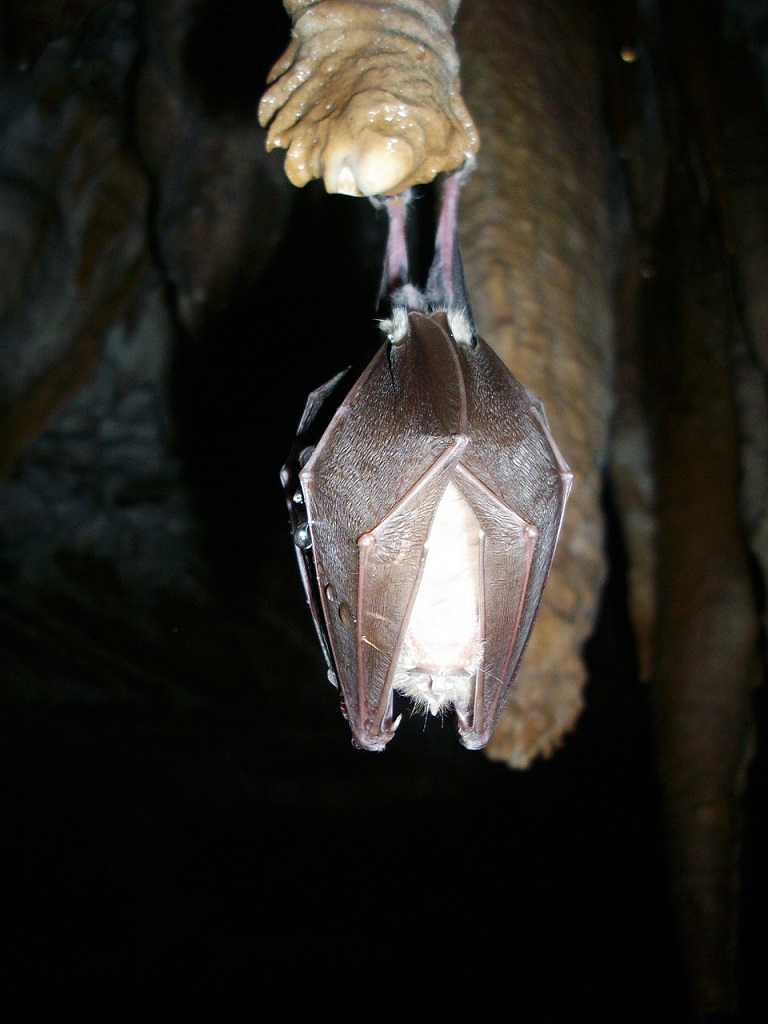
(376, 740)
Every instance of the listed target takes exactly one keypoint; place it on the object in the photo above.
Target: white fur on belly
(442, 647)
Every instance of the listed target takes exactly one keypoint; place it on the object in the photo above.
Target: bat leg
(395, 273)
(396, 290)
(446, 284)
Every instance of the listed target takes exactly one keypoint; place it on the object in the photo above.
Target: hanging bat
(426, 515)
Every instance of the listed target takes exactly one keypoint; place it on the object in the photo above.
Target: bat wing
(426, 413)
(513, 476)
(368, 492)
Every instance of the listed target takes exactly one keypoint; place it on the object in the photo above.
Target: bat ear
(446, 284)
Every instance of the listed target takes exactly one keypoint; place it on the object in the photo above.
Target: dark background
(182, 806)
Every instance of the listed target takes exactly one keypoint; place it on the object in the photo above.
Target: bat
(425, 508)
